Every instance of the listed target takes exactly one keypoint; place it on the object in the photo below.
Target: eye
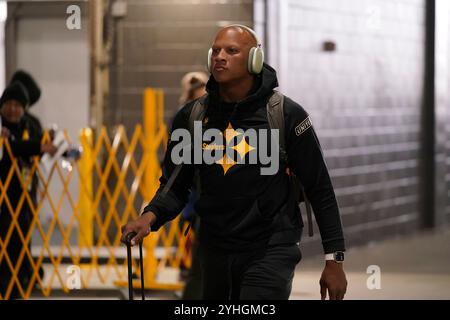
(233, 50)
(215, 50)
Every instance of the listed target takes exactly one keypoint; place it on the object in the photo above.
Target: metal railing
(78, 244)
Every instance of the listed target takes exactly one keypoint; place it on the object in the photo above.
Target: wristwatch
(337, 256)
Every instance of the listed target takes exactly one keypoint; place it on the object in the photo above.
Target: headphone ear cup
(255, 60)
(208, 65)
(251, 55)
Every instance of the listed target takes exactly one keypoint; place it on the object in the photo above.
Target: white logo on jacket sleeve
(303, 126)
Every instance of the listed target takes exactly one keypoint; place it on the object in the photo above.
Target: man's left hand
(333, 279)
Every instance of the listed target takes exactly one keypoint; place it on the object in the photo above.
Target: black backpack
(275, 117)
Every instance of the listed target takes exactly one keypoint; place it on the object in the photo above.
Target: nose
(220, 56)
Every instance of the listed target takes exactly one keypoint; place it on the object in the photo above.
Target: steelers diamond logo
(242, 148)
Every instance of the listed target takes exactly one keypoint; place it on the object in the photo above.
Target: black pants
(261, 274)
(13, 250)
(193, 286)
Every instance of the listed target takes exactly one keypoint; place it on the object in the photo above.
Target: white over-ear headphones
(255, 55)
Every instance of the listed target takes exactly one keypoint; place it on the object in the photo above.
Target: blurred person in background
(34, 127)
(193, 86)
(24, 136)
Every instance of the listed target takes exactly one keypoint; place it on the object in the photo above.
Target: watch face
(339, 256)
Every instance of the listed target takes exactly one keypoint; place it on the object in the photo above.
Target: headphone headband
(251, 31)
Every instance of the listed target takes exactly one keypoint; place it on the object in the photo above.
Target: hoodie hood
(265, 82)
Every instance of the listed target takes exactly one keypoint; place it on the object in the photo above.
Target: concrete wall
(59, 60)
(364, 98)
(447, 122)
(442, 97)
(38, 40)
(157, 43)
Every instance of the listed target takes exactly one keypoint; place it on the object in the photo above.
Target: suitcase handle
(128, 238)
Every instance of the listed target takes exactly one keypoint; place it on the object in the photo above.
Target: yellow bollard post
(149, 183)
(150, 133)
(85, 201)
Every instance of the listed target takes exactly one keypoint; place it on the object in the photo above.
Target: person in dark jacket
(34, 126)
(25, 143)
(251, 224)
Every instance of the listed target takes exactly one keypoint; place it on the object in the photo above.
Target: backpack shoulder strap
(275, 117)
(198, 112)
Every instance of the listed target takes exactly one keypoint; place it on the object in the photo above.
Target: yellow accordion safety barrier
(72, 237)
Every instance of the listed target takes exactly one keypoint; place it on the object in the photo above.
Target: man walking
(251, 224)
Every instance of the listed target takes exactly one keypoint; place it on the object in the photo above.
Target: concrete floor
(414, 267)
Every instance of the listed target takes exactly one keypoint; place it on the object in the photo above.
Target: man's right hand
(141, 226)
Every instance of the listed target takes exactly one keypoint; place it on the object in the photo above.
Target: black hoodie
(241, 209)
